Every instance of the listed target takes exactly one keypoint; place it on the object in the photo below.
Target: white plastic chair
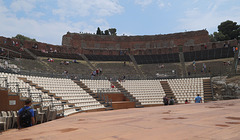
(3, 123)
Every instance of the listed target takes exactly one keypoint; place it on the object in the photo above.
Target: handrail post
(103, 97)
(28, 92)
(111, 102)
(6, 83)
(211, 87)
(41, 99)
(17, 86)
(52, 101)
(107, 100)
(62, 110)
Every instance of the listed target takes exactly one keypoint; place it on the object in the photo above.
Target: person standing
(198, 99)
(194, 66)
(171, 102)
(165, 100)
(26, 115)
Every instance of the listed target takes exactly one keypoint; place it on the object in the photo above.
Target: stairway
(30, 53)
(94, 95)
(45, 64)
(88, 62)
(139, 71)
(182, 64)
(39, 60)
(44, 91)
(168, 90)
(207, 89)
(127, 94)
(63, 102)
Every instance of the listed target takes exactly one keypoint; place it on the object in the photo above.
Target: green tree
(219, 36)
(229, 29)
(99, 31)
(23, 38)
(106, 32)
(113, 31)
(212, 38)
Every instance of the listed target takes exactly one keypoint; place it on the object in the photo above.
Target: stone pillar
(182, 62)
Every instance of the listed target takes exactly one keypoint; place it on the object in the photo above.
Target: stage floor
(214, 120)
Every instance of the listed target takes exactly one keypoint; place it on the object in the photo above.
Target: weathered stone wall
(148, 44)
(137, 45)
(210, 45)
(30, 44)
(224, 89)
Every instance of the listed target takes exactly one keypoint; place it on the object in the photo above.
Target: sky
(48, 20)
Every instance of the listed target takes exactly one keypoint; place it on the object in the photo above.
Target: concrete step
(108, 108)
(12, 94)
(102, 102)
(139, 106)
(138, 103)
(168, 90)
(208, 98)
(58, 98)
(45, 91)
(52, 94)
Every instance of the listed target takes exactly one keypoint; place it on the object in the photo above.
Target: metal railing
(25, 91)
(211, 84)
(104, 98)
(3, 82)
(13, 86)
(128, 95)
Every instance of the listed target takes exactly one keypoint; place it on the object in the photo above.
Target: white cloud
(3, 9)
(143, 3)
(195, 1)
(81, 27)
(51, 30)
(208, 18)
(23, 5)
(107, 7)
(71, 8)
(37, 14)
(43, 31)
(163, 3)
(102, 23)
(160, 3)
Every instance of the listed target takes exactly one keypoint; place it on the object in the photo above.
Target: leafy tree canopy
(106, 32)
(23, 38)
(227, 30)
(99, 31)
(111, 31)
(219, 36)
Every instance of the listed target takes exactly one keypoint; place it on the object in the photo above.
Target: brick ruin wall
(136, 45)
(148, 44)
(30, 44)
